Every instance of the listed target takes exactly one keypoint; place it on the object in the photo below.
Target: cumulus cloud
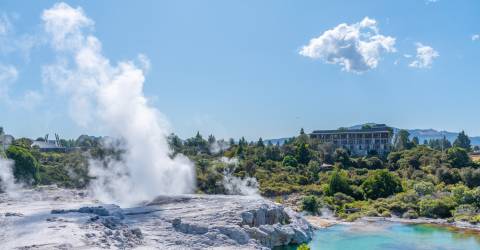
(110, 96)
(356, 47)
(475, 37)
(424, 57)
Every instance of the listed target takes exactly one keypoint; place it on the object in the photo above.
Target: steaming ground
(53, 218)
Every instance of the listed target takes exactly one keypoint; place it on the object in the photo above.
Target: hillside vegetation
(434, 179)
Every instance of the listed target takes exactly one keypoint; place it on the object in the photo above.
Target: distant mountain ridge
(422, 134)
(428, 134)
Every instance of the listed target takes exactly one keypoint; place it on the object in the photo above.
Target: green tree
(458, 157)
(338, 183)
(415, 141)
(381, 184)
(260, 143)
(26, 167)
(211, 139)
(341, 155)
(424, 188)
(402, 140)
(289, 161)
(436, 208)
(470, 176)
(463, 141)
(310, 203)
(303, 154)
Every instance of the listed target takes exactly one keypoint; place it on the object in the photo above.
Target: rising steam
(234, 185)
(7, 181)
(110, 96)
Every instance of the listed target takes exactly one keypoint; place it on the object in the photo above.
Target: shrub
(289, 161)
(464, 212)
(381, 183)
(446, 175)
(338, 183)
(410, 214)
(424, 188)
(303, 247)
(340, 199)
(458, 157)
(471, 177)
(436, 208)
(26, 167)
(310, 204)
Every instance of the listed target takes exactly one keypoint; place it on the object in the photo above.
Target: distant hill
(422, 134)
(275, 141)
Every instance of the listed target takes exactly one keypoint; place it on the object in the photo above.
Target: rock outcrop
(72, 221)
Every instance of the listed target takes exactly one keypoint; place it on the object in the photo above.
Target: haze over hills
(422, 134)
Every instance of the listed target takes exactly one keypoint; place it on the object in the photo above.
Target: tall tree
(415, 141)
(402, 140)
(303, 154)
(260, 143)
(211, 139)
(338, 183)
(463, 141)
(381, 184)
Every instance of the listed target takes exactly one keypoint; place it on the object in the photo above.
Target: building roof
(377, 128)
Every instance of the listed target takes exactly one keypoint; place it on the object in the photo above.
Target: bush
(464, 212)
(410, 214)
(338, 183)
(471, 177)
(446, 175)
(424, 188)
(289, 161)
(341, 199)
(458, 157)
(303, 247)
(380, 184)
(26, 167)
(436, 208)
(310, 204)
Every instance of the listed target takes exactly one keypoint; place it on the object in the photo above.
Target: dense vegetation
(436, 179)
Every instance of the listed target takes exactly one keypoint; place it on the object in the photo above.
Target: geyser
(110, 97)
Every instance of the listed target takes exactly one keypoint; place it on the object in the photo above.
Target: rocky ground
(52, 218)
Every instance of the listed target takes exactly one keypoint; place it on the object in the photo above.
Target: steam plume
(234, 185)
(111, 97)
(7, 181)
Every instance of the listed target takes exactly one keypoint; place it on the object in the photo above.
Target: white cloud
(475, 37)
(64, 23)
(5, 25)
(425, 56)
(356, 47)
(30, 99)
(144, 62)
(8, 75)
(110, 97)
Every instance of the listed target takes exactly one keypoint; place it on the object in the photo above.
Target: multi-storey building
(376, 138)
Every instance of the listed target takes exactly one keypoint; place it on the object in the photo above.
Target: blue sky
(234, 68)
